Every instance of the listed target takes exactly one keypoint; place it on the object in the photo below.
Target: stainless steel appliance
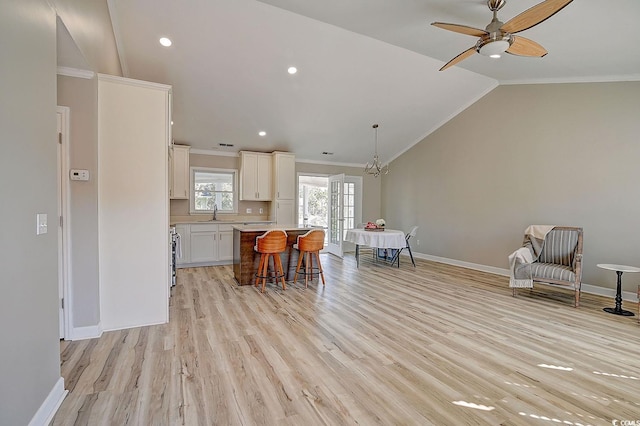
(174, 240)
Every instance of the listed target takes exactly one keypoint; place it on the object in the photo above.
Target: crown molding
(213, 152)
(132, 82)
(329, 163)
(586, 79)
(75, 72)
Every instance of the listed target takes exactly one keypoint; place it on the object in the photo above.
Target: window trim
(192, 189)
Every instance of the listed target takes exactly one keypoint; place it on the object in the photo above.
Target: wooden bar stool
(310, 244)
(270, 244)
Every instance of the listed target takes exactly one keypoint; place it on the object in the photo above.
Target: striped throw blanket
(520, 260)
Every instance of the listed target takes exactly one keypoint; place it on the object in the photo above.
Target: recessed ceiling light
(165, 42)
(262, 133)
(292, 70)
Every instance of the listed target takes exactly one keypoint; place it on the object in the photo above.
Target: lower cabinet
(225, 243)
(205, 244)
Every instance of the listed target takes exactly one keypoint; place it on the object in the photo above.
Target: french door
(336, 215)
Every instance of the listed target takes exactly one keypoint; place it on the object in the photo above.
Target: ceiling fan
(498, 37)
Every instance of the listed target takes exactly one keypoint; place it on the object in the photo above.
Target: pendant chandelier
(376, 169)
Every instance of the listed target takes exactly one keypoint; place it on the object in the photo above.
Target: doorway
(333, 203)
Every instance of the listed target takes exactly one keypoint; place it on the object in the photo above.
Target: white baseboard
(50, 405)
(83, 333)
(127, 327)
(468, 265)
(586, 288)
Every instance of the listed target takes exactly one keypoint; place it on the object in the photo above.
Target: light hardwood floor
(433, 344)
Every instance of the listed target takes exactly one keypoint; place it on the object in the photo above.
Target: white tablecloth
(389, 238)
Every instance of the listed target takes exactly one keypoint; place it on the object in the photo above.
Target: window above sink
(211, 188)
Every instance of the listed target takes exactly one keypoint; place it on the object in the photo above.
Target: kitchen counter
(245, 259)
(267, 226)
(234, 220)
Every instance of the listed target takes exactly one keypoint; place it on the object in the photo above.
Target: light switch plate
(79, 174)
(249, 211)
(41, 223)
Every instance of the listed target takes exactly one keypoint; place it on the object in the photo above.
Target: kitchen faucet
(215, 211)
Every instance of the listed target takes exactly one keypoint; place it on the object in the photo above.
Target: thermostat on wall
(79, 174)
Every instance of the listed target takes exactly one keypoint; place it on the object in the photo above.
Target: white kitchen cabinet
(225, 242)
(283, 206)
(283, 212)
(203, 243)
(255, 176)
(284, 176)
(179, 172)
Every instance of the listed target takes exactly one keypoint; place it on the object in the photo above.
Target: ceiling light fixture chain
(376, 169)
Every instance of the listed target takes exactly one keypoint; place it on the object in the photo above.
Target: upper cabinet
(179, 172)
(284, 176)
(255, 176)
(284, 188)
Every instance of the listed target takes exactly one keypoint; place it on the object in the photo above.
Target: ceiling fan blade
(462, 29)
(524, 47)
(464, 55)
(535, 15)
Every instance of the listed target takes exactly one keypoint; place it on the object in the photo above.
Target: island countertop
(268, 227)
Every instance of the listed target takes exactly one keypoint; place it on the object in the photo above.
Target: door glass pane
(335, 213)
(349, 207)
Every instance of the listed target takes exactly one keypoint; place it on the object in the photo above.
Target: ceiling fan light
(492, 48)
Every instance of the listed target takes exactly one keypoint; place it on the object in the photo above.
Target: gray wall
(563, 154)
(89, 24)
(80, 95)
(30, 356)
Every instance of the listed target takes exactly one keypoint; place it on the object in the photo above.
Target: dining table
(377, 238)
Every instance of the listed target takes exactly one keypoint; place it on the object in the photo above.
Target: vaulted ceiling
(359, 62)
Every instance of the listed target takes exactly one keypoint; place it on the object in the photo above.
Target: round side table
(619, 270)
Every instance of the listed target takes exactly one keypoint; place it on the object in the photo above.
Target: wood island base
(245, 259)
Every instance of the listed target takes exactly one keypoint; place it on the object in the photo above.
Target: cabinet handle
(278, 196)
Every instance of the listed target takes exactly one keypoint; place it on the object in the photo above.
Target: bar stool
(270, 244)
(310, 243)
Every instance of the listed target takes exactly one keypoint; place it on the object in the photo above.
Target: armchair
(559, 263)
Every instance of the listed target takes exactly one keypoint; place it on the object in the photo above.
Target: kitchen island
(245, 259)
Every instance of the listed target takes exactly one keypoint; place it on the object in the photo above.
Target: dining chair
(412, 233)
